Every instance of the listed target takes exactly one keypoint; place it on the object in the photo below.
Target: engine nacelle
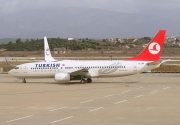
(62, 77)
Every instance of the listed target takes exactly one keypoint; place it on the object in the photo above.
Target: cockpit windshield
(16, 68)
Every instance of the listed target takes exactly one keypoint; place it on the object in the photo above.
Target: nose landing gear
(83, 80)
(23, 80)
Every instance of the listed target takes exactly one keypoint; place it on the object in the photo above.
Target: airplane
(67, 70)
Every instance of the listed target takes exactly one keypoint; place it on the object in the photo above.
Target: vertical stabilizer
(47, 52)
(153, 50)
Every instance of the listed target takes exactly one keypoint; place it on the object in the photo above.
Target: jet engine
(62, 77)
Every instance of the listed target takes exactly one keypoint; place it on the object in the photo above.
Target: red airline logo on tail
(154, 48)
(153, 51)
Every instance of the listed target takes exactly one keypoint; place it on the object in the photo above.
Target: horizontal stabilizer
(165, 62)
(154, 63)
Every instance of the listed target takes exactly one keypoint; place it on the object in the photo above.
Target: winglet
(47, 52)
(153, 50)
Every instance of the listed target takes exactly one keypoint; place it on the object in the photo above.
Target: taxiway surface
(142, 99)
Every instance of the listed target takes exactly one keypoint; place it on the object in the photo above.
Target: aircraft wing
(85, 72)
(80, 72)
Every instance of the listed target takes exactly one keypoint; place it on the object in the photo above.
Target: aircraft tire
(89, 80)
(83, 81)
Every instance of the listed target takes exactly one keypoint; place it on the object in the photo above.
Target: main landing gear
(89, 80)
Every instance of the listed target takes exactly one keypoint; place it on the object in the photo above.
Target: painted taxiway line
(96, 109)
(58, 109)
(61, 119)
(125, 91)
(154, 92)
(20, 118)
(138, 96)
(108, 96)
(166, 88)
(148, 108)
(120, 102)
(139, 87)
(87, 101)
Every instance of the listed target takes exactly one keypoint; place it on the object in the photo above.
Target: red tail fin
(153, 50)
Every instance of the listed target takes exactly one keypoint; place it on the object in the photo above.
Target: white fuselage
(92, 68)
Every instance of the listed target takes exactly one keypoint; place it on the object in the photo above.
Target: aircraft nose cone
(10, 72)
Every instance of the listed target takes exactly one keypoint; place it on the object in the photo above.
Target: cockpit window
(16, 68)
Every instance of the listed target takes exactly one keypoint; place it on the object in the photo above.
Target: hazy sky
(21, 18)
(130, 6)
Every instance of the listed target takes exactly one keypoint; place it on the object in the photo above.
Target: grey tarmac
(142, 99)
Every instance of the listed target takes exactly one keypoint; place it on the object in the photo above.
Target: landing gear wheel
(24, 80)
(89, 80)
(83, 81)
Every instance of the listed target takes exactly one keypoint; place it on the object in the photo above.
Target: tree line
(38, 44)
(78, 44)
